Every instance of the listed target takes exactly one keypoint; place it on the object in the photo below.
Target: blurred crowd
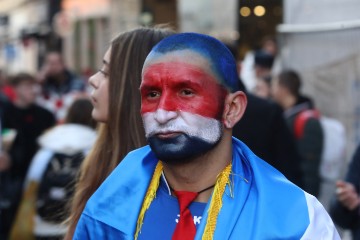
(47, 130)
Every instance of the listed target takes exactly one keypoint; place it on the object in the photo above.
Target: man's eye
(153, 94)
(187, 92)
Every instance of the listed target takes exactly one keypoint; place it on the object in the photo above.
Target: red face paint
(178, 86)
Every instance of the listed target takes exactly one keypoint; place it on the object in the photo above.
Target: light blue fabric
(263, 205)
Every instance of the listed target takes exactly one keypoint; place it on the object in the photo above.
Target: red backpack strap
(301, 119)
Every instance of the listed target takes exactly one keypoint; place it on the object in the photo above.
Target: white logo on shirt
(197, 219)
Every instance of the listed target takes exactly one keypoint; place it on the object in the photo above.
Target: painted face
(182, 106)
(100, 94)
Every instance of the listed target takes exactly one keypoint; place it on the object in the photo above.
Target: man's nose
(167, 101)
(162, 116)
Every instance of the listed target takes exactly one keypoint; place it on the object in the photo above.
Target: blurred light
(146, 18)
(245, 11)
(234, 35)
(259, 11)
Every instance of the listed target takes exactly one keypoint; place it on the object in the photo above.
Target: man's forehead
(190, 57)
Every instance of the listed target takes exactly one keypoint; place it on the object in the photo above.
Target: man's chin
(179, 149)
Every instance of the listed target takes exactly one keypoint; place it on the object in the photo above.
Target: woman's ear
(235, 105)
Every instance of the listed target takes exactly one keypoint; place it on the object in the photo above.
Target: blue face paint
(180, 149)
(222, 61)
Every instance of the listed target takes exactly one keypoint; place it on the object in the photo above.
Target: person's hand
(4, 161)
(347, 195)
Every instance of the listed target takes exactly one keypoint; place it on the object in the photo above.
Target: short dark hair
(20, 78)
(291, 80)
(263, 59)
(80, 113)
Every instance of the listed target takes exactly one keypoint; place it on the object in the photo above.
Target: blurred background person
(49, 183)
(59, 86)
(29, 120)
(286, 91)
(260, 62)
(345, 207)
(263, 63)
(114, 86)
(263, 87)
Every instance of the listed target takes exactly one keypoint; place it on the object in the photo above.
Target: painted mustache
(193, 125)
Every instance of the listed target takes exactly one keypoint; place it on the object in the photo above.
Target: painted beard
(191, 136)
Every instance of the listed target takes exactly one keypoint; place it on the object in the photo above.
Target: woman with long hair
(116, 101)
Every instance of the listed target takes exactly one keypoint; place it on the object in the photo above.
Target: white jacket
(66, 139)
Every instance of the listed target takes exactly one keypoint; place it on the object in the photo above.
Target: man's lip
(167, 134)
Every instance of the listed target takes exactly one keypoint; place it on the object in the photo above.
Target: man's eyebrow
(188, 83)
(147, 86)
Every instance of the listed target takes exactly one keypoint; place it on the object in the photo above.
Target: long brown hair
(123, 131)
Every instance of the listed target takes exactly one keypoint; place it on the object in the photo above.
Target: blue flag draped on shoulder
(260, 204)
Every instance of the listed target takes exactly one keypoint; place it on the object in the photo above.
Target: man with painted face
(195, 181)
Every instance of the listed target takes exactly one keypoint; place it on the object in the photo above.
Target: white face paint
(169, 123)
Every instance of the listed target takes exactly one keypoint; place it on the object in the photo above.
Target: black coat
(264, 130)
(342, 216)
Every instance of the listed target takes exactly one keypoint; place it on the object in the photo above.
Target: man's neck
(202, 171)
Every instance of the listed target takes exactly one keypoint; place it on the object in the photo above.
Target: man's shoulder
(129, 180)
(139, 152)
(133, 161)
(89, 227)
(260, 171)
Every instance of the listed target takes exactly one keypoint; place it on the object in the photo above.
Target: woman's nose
(93, 80)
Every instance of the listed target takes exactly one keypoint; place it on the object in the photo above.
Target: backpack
(57, 186)
(334, 144)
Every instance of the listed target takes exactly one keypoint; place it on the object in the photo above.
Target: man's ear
(235, 105)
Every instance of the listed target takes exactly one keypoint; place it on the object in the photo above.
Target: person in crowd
(59, 86)
(263, 87)
(259, 62)
(29, 120)
(120, 131)
(286, 91)
(195, 180)
(345, 207)
(262, 64)
(51, 176)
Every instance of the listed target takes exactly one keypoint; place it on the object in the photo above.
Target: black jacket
(264, 130)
